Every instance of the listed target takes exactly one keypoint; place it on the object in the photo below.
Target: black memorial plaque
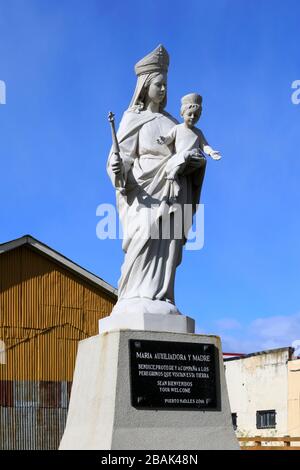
(171, 375)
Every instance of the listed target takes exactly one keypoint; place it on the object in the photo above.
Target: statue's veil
(152, 65)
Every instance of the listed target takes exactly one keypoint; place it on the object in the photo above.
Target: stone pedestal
(107, 409)
(174, 323)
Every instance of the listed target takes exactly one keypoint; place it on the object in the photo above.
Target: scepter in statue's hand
(116, 164)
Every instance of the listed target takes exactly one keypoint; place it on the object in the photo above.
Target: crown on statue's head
(156, 61)
(191, 98)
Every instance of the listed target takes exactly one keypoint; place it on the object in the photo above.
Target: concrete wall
(294, 398)
(259, 382)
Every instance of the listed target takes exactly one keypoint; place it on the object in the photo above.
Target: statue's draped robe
(150, 263)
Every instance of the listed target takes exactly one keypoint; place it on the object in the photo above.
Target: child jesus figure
(189, 142)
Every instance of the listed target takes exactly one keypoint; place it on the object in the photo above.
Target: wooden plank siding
(45, 309)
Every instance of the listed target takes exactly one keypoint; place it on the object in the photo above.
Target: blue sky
(67, 63)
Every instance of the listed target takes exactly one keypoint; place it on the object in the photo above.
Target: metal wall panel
(44, 311)
(37, 416)
(6, 393)
(25, 394)
(43, 304)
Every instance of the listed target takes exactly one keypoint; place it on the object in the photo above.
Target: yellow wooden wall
(44, 311)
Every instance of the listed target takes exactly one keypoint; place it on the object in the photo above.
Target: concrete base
(174, 323)
(101, 415)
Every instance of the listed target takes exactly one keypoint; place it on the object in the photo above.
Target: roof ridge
(59, 258)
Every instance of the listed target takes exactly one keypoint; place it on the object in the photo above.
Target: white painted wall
(259, 382)
(294, 398)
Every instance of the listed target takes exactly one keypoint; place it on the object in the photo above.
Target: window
(234, 420)
(266, 419)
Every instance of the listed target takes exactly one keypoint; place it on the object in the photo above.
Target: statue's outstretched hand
(215, 155)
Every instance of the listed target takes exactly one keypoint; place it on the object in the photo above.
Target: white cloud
(228, 324)
(259, 335)
(279, 328)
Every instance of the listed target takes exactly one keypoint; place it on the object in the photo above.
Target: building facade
(264, 393)
(294, 398)
(47, 304)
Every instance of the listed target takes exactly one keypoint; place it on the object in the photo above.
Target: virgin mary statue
(147, 277)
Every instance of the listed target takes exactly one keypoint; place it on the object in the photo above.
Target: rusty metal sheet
(38, 298)
(64, 394)
(18, 429)
(48, 425)
(26, 394)
(50, 394)
(35, 422)
(6, 393)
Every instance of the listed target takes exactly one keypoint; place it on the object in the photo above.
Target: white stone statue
(186, 138)
(142, 164)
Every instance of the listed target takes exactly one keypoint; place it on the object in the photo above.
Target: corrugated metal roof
(35, 244)
(287, 349)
